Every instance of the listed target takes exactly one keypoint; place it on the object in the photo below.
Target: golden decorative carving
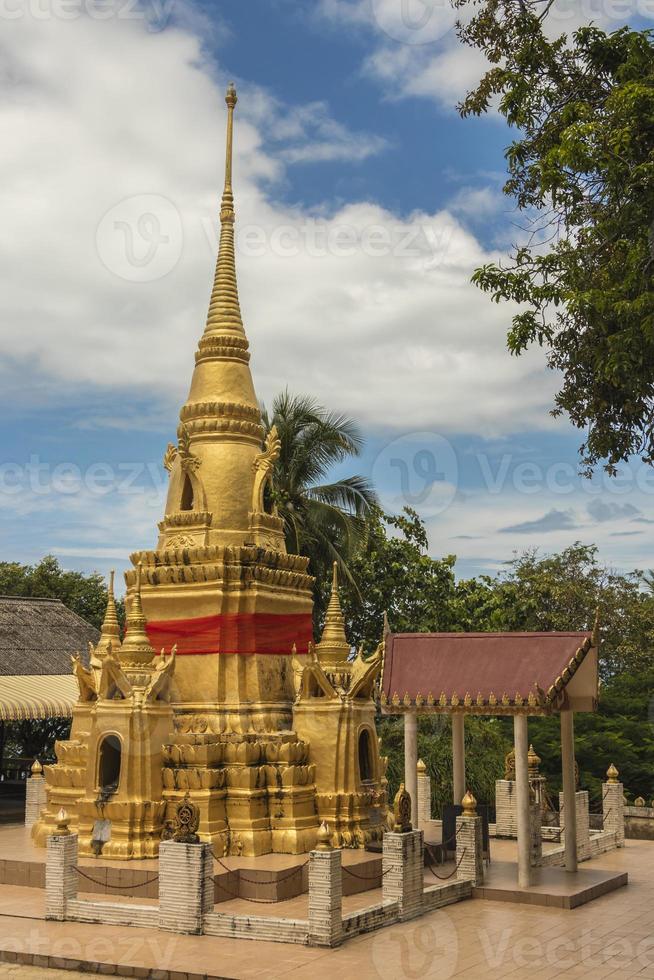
(324, 838)
(469, 804)
(402, 811)
(170, 456)
(187, 821)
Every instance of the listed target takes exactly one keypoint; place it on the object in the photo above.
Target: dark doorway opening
(365, 757)
(109, 768)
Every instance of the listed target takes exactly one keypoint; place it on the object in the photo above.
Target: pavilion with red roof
(518, 674)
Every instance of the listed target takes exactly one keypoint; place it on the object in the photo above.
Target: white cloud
(387, 328)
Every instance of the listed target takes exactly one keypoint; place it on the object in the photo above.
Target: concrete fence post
(403, 863)
(35, 795)
(325, 893)
(582, 822)
(424, 796)
(535, 834)
(186, 886)
(613, 805)
(60, 873)
(469, 842)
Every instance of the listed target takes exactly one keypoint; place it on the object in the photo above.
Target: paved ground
(611, 937)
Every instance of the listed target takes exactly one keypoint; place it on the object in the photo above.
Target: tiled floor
(611, 937)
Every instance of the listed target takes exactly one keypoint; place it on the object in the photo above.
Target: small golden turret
(534, 761)
(469, 804)
(324, 838)
(110, 631)
(136, 648)
(334, 650)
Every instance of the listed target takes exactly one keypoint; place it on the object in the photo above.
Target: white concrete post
(458, 757)
(35, 795)
(325, 898)
(424, 796)
(186, 886)
(403, 871)
(60, 874)
(469, 842)
(411, 761)
(569, 788)
(582, 821)
(613, 805)
(535, 834)
(521, 740)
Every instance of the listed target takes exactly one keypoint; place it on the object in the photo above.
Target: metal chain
(451, 875)
(106, 884)
(366, 877)
(254, 881)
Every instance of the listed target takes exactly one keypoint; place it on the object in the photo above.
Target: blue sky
(368, 203)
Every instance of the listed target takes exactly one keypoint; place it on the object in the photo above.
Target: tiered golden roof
(334, 650)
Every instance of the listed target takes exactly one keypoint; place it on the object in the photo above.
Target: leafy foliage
(326, 521)
(581, 169)
(535, 592)
(86, 595)
(486, 746)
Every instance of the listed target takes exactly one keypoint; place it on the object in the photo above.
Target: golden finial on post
(421, 767)
(534, 761)
(639, 801)
(37, 769)
(469, 804)
(62, 823)
(612, 774)
(324, 838)
(402, 811)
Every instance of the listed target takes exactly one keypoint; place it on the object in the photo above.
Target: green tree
(581, 171)
(486, 746)
(86, 595)
(326, 521)
(395, 575)
(562, 592)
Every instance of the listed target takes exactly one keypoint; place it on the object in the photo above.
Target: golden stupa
(216, 690)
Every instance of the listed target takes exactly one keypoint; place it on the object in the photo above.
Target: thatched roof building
(37, 639)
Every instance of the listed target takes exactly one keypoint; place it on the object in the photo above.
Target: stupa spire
(333, 647)
(110, 630)
(136, 648)
(224, 307)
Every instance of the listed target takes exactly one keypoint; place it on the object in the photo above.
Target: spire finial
(136, 646)
(228, 198)
(110, 631)
(224, 308)
(333, 648)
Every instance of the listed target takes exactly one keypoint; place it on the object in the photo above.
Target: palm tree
(326, 521)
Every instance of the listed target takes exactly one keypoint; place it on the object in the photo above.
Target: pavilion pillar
(458, 757)
(523, 816)
(411, 761)
(569, 789)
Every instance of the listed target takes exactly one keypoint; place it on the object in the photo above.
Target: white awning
(27, 697)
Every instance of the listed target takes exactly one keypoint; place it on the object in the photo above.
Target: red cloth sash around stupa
(244, 633)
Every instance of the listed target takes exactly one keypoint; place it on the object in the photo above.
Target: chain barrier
(105, 884)
(452, 873)
(366, 877)
(254, 881)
